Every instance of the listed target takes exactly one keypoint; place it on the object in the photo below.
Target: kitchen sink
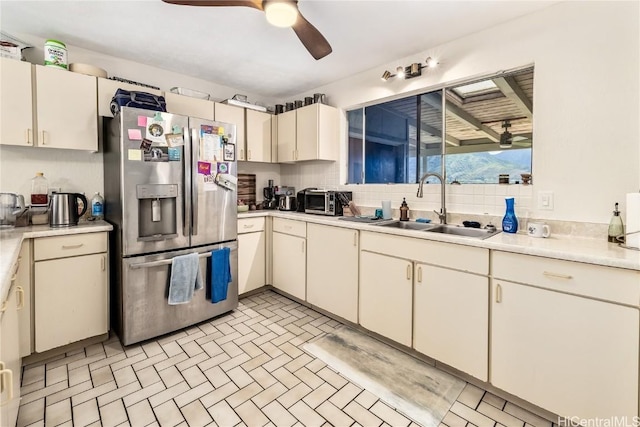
(478, 233)
(405, 225)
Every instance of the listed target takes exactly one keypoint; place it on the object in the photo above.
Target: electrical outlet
(545, 200)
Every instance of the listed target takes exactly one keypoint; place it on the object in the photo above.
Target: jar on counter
(39, 190)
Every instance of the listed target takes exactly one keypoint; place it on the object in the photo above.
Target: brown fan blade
(256, 4)
(311, 38)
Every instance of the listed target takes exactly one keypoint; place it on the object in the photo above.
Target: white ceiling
(235, 46)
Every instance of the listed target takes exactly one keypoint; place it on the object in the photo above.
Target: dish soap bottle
(404, 210)
(616, 227)
(510, 222)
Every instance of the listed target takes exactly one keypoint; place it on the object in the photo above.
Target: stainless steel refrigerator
(170, 189)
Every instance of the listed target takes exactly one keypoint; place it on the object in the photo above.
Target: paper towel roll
(633, 220)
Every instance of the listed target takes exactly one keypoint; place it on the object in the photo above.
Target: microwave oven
(326, 202)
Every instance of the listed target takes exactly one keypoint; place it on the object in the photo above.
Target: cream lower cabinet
(385, 296)
(16, 111)
(70, 289)
(333, 249)
(572, 354)
(289, 257)
(10, 361)
(451, 318)
(251, 254)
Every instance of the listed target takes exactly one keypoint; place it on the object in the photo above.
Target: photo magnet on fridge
(145, 145)
(229, 154)
(174, 154)
(174, 139)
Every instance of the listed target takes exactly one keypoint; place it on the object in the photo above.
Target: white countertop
(11, 240)
(591, 251)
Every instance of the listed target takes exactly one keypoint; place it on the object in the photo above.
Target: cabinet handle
(102, 263)
(42, 139)
(419, 274)
(302, 246)
(248, 154)
(355, 238)
(408, 271)
(241, 154)
(288, 227)
(29, 137)
(20, 297)
(3, 307)
(248, 226)
(13, 278)
(498, 293)
(9, 375)
(72, 246)
(557, 275)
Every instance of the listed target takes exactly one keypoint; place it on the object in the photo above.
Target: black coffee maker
(269, 194)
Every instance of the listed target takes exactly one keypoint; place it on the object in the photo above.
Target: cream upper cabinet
(230, 114)
(336, 247)
(251, 254)
(317, 132)
(189, 106)
(258, 136)
(289, 255)
(451, 318)
(16, 114)
(66, 106)
(566, 337)
(386, 296)
(287, 136)
(10, 366)
(107, 88)
(274, 139)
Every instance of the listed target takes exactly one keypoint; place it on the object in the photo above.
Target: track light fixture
(410, 71)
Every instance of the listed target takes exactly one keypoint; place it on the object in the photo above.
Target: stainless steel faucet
(442, 215)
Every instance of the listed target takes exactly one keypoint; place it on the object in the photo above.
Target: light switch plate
(545, 200)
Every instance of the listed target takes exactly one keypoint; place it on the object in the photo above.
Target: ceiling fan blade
(311, 38)
(256, 4)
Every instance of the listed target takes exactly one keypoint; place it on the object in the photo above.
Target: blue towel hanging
(220, 274)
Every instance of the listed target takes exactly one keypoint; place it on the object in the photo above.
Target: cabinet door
(70, 300)
(289, 264)
(287, 136)
(307, 132)
(251, 261)
(333, 249)
(107, 88)
(189, 106)
(23, 280)
(451, 318)
(230, 114)
(258, 136)
(10, 357)
(570, 355)
(16, 116)
(67, 110)
(386, 295)
(274, 139)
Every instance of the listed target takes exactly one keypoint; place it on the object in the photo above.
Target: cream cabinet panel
(287, 136)
(251, 261)
(189, 106)
(317, 132)
(10, 368)
(570, 355)
(386, 296)
(258, 136)
(23, 280)
(16, 114)
(289, 264)
(274, 139)
(68, 246)
(230, 114)
(451, 318)
(338, 248)
(289, 226)
(107, 88)
(67, 112)
(71, 300)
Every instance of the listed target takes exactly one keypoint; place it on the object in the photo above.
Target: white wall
(80, 171)
(586, 110)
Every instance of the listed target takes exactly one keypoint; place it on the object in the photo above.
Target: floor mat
(416, 389)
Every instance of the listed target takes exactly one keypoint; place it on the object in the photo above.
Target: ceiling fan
(282, 13)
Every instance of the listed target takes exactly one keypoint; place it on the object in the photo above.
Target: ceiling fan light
(281, 14)
(431, 62)
(506, 139)
(400, 72)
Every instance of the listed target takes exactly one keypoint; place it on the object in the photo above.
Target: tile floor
(244, 368)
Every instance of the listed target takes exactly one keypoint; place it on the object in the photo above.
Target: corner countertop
(564, 247)
(11, 240)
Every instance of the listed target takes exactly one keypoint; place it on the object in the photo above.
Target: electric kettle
(63, 209)
(11, 207)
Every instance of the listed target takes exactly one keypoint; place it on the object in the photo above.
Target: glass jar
(39, 190)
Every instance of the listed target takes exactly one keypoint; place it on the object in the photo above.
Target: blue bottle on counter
(510, 222)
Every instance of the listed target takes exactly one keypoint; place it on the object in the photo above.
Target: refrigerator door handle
(161, 262)
(194, 179)
(186, 198)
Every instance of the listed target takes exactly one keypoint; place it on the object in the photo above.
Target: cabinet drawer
(287, 226)
(607, 283)
(250, 225)
(66, 246)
